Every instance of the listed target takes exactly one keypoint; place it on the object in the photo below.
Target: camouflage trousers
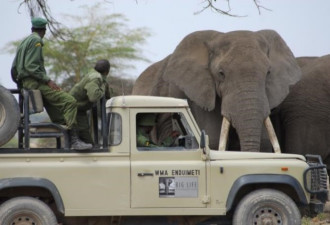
(60, 106)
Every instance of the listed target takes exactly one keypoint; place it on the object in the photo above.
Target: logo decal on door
(178, 187)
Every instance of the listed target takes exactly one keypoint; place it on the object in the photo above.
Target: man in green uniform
(87, 92)
(145, 123)
(29, 72)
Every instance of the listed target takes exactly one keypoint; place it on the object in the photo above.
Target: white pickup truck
(122, 183)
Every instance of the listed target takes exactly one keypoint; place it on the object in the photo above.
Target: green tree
(97, 36)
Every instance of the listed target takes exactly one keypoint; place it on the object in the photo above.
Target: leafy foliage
(96, 36)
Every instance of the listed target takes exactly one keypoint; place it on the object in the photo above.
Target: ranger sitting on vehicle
(87, 92)
(29, 72)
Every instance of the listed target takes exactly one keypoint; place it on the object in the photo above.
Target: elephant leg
(233, 140)
(294, 134)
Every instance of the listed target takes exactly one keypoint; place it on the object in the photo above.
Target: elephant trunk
(249, 134)
(251, 110)
(270, 130)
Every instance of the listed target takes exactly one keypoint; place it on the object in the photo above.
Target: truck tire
(267, 206)
(26, 211)
(9, 115)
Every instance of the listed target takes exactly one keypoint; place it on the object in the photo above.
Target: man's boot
(76, 143)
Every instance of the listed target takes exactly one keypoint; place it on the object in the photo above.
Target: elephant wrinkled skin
(241, 75)
(305, 113)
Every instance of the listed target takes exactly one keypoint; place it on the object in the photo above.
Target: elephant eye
(221, 74)
(268, 71)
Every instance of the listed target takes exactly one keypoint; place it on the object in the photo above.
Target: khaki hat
(39, 23)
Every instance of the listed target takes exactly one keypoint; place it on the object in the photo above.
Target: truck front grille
(316, 176)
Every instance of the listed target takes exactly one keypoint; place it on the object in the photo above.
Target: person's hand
(53, 85)
(175, 134)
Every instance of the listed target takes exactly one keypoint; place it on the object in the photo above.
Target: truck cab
(160, 167)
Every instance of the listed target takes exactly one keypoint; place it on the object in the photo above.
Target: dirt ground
(320, 219)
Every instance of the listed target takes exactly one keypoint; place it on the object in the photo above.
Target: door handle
(145, 174)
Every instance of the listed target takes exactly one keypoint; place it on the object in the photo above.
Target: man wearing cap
(87, 92)
(145, 124)
(28, 72)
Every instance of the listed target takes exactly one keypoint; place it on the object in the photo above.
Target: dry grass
(320, 219)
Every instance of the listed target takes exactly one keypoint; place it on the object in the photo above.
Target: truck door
(166, 171)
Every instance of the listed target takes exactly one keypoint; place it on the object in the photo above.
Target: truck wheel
(267, 206)
(9, 115)
(26, 211)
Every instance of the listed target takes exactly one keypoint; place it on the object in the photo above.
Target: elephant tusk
(272, 135)
(224, 134)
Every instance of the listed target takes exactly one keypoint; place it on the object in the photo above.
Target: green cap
(39, 23)
(147, 119)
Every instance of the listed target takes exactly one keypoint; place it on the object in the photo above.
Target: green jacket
(143, 140)
(29, 60)
(89, 90)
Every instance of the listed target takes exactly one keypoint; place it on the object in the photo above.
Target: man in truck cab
(28, 72)
(146, 122)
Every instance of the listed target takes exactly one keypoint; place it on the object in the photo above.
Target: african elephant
(240, 75)
(305, 60)
(305, 112)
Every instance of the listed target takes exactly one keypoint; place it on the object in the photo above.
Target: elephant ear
(188, 69)
(284, 70)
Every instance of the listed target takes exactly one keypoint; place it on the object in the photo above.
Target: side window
(164, 131)
(115, 129)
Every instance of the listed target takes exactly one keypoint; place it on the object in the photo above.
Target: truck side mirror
(202, 142)
(204, 145)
